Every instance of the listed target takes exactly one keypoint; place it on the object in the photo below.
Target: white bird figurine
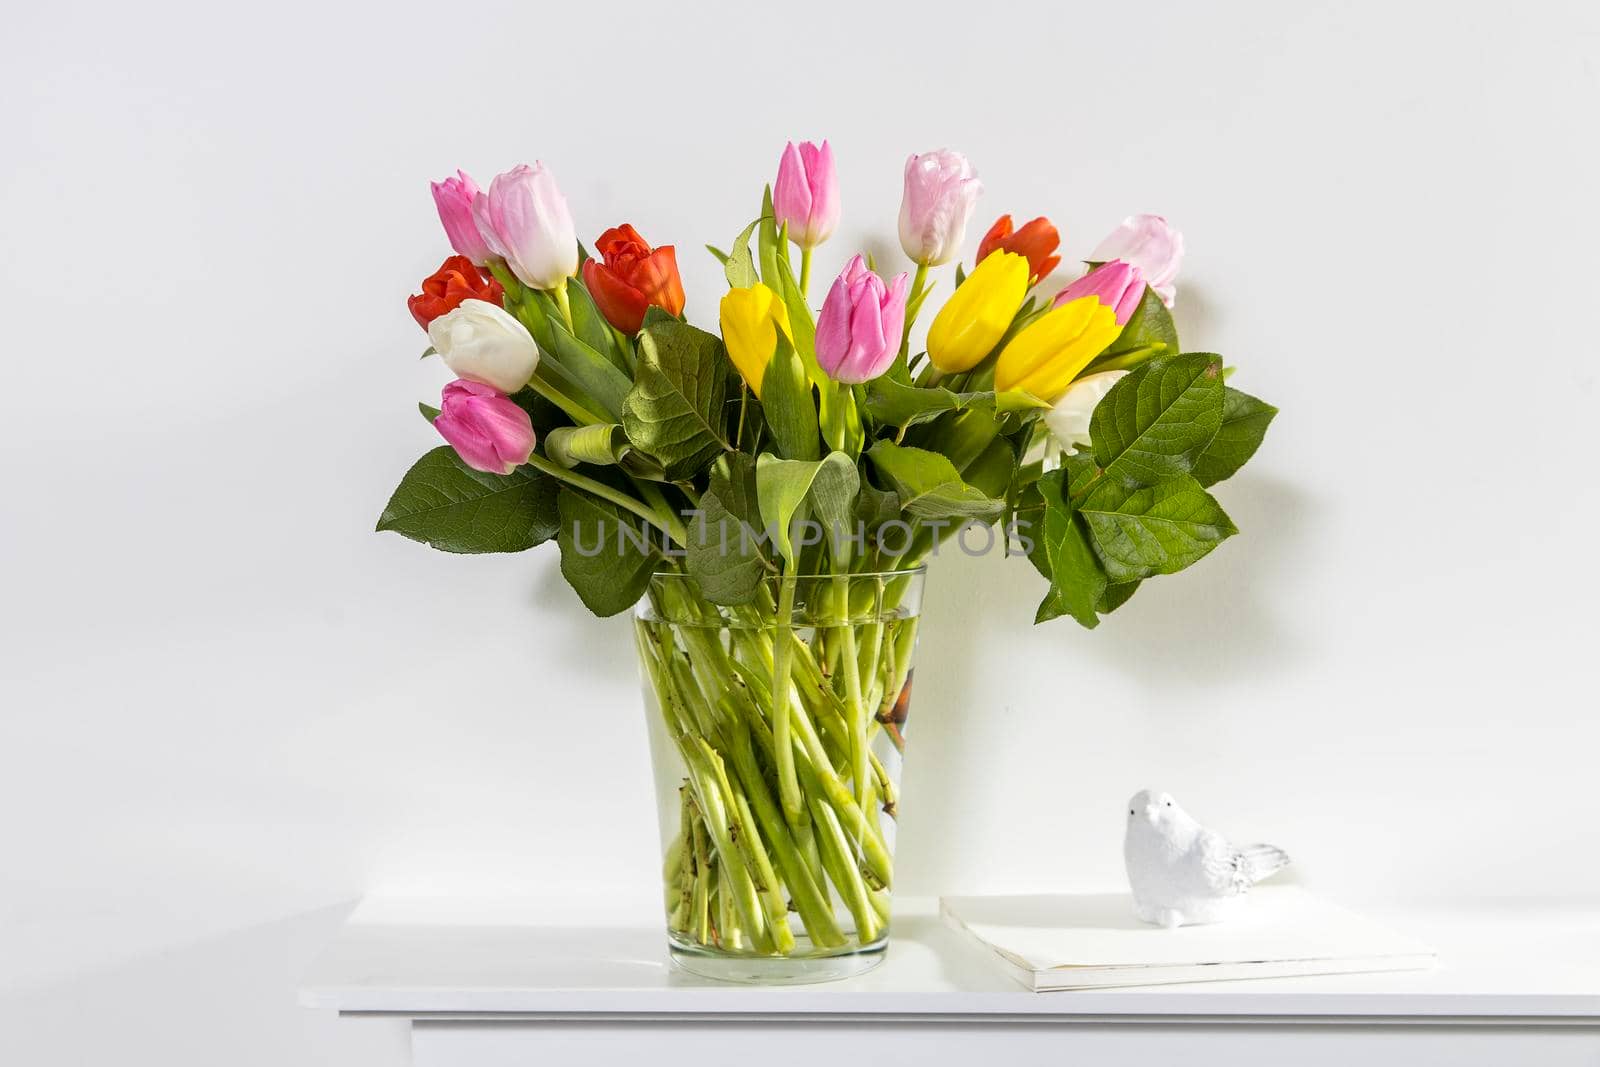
(1183, 873)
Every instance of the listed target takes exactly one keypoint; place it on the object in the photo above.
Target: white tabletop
(462, 958)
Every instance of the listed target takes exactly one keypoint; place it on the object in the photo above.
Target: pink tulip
(806, 194)
(858, 332)
(1117, 285)
(1147, 242)
(488, 431)
(941, 191)
(453, 198)
(524, 218)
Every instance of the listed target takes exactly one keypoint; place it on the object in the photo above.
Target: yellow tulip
(975, 317)
(1044, 358)
(751, 319)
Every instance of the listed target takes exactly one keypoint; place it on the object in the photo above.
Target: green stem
(788, 786)
(574, 410)
(914, 304)
(605, 492)
(565, 304)
(805, 271)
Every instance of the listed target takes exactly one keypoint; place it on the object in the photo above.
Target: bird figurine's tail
(1263, 861)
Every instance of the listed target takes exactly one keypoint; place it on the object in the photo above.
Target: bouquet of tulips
(791, 468)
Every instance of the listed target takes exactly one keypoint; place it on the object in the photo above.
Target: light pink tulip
(453, 197)
(488, 431)
(524, 218)
(1147, 242)
(806, 194)
(1117, 285)
(858, 332)
(941, 191)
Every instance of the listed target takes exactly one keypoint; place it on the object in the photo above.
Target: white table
(490, 984)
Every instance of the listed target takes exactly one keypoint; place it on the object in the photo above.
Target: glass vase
(778, 819)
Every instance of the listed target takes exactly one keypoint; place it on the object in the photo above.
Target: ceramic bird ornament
(1182, 873)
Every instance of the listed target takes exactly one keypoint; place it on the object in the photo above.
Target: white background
(230, 708)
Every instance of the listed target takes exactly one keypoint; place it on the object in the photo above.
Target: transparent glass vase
(778, 830)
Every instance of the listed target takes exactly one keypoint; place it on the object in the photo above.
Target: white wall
(230, 707)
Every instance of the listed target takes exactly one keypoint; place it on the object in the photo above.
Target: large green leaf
(724, 553)
(786, 487)
(1244, 424)
(604, 554)
(1156, 421)
(928, 485)
(1062, 553)
(1159, 529)
(445, 503)
(674, 411)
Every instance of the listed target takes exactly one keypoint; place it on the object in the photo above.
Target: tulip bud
(806, 194)
(751, 319)
(858, 332)
(1146, 242)
(453, 197)
(445, 289)
(1037, 240)
(978, 313)
(1045, 357)
(489, 432)
(1069, 419)
(524, 218)
(941, 190)
(630, 277)
(481, 343)
(1117, 285)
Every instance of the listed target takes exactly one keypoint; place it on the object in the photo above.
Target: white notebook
(1093, 941)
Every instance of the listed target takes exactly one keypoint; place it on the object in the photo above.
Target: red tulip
(443, 290)
(1036, 240)
(631, 277)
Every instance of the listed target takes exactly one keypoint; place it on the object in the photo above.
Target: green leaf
(787, 404)
(595, 374)
(1159, 529)
(1062, 553)
(591, 327)
(719, 254)
(445, 503)
(785, 486)
(429, 412)
(724, 553)
(800, 321)
(929, 485)
(1244, 424)
(1155, 422)
(767, 248)
(674, 411)
(894, 403)
(991, 472)
(603, 553)
(738, 266)
(429, 351)
(602, 444)
(1115, 596)
(1150, 325)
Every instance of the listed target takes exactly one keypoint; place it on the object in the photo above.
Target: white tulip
(1069, 419)
(482, 343)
